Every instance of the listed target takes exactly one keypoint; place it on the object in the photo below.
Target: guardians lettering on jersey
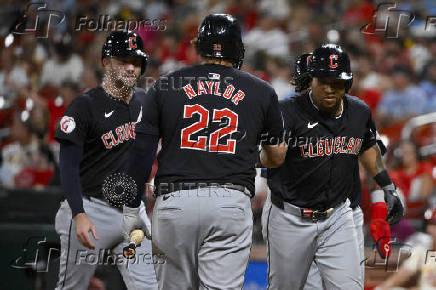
(213, 88)
(329, 146)
(123, 133)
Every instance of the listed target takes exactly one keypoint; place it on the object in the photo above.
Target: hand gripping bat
(135, 239)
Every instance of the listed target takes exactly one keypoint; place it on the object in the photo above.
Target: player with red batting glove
(315, 193)
(379, 227)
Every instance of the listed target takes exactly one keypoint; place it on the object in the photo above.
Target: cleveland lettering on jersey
(89, 125)
(321, 159)
(329, 146)
(122, 133)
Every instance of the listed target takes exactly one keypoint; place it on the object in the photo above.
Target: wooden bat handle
(135, 240)
(136, 237)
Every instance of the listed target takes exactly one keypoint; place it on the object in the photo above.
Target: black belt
(306, 213)
(190, 185)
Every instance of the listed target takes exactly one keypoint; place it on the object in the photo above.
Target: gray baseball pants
(78, 264)
(314, 279)
(204, 236)
(295, 243)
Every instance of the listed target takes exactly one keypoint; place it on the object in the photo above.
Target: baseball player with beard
(309, 218)
(379, 228)
(95, 135)
(211, 124)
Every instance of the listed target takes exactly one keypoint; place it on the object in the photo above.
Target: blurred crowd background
(394, 74)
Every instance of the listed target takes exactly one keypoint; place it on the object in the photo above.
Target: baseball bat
(135, 239)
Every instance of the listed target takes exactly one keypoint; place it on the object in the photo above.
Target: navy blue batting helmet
(300, 76)
(219, 36)
(330, 61)
(124, 43)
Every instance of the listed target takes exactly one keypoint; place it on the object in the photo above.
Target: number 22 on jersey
(209, 143)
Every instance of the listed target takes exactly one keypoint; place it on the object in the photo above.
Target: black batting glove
(394, 203)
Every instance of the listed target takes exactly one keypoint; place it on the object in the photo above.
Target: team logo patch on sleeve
(67, 124)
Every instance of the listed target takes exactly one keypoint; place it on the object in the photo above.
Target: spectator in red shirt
(358, 13)
(414, 178)
(40, 172)
(370, 96)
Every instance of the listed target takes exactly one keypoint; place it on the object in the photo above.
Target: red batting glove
(380, 231)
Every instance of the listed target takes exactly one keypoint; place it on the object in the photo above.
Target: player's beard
(331, 110)
(123, 81)
(119, 83)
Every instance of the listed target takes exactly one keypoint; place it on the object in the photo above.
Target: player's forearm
(140, 162)
(70, 157)
(273, 155)
(372, 161)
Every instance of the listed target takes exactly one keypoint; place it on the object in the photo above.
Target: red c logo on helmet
(132, 42)
(333, 57)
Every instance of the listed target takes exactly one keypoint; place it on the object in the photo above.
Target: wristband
(383, 179)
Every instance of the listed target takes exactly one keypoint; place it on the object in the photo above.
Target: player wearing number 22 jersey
(211, 118)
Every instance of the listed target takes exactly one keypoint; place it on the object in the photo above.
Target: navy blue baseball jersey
(321, 165)
(211, 119)
(105, 127)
